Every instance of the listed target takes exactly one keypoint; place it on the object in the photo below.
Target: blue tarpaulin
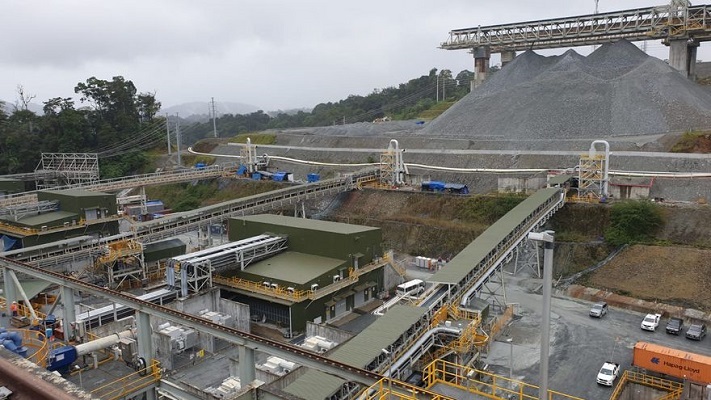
(8, 242)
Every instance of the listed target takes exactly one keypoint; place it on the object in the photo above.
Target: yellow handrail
(129, 384)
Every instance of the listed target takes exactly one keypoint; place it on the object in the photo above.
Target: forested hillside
(106, 119)
(112, 118)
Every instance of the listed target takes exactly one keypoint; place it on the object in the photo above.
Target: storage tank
(672, 362)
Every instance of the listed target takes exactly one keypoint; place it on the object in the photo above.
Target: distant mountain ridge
(9, 107)
(204, 108)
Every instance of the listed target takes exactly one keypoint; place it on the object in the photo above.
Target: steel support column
(10, 291)
(145, 345)
(69, 312)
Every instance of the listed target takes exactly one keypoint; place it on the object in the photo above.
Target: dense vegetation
(407, 101)
(116, 121)
(112, 123)
(633, 222)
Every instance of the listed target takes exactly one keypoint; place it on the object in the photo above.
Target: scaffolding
(122, 261)
(392, 167)
(60, 169)
(593, 174)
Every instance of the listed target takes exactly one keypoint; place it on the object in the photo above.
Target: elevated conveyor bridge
(179, 223)
(662, 22)
(679, 25)
(109, 185)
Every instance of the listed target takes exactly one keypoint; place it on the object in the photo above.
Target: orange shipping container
(672, 362)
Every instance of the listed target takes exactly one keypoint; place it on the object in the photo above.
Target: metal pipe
(606, 167)
(104, 342)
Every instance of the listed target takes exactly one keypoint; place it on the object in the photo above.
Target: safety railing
(259, 287)
(392, 389)
(23, 310)
(674, 389)
(37, 341)
(484, 383)
(129, 384)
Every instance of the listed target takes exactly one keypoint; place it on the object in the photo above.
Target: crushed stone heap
(616, 91)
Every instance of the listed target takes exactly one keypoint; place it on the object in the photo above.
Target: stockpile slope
(616, 91)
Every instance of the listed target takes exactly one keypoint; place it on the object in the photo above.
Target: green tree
(119, 120)
(633, 222)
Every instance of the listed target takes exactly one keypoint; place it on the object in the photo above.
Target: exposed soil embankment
(431, 225)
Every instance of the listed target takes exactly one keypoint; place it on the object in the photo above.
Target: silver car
(598, 310)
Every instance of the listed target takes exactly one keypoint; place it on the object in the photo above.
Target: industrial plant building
(58, 215)
(326, 270)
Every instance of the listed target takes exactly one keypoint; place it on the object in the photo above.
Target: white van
(413, 287)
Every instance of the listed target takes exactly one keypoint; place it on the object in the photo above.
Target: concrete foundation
(481, 64)
(507, 56)
(682, 56)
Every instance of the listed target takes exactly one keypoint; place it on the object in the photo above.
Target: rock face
(614, 92)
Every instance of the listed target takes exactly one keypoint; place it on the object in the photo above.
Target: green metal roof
(47, 218)
(78, 193)
(291, 266)
(163, 245)
(384, 331)
(559, 179)
(312, 224)
(358, 352)
(463, 263)
(315, 385)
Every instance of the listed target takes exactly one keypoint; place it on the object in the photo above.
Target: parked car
(608, 373)
(598, 310)
(674, 325)
(651, 322)
(696, 331)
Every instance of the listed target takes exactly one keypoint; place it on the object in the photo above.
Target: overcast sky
(271, 54)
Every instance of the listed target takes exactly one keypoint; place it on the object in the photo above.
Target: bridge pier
(507, 56)
(246, 365)
(682, 56)
(482, 55)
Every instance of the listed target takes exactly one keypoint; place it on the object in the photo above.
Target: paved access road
(579, 344)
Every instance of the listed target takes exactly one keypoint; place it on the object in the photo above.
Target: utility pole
(444, 89)
(214, 115)
(596, 11)
(437, 76)
(177, 137)
(167, 131)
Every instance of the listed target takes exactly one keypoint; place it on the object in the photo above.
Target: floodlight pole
(548, 240)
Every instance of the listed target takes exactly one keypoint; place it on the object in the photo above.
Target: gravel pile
(616, 91)
(359, 129)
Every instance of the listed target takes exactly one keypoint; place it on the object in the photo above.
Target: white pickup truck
(651, 322)
(608, 373)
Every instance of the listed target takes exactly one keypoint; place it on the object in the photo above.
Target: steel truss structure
(68, 168)
(18, 211)
(664, 22)
(193, 272)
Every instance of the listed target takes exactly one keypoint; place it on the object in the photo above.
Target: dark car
(696, 331)
(675, 325)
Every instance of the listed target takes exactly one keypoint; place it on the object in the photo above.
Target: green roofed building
(75, 213)
(328, 270)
